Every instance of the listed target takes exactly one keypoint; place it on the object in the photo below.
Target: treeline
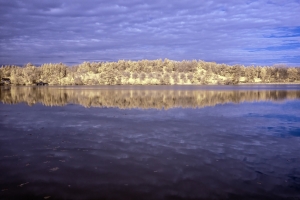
(145, 99)
(148, 72)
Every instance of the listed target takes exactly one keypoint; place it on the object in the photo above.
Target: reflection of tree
(144, 98)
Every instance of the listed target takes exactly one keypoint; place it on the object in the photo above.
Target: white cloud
(221, 31)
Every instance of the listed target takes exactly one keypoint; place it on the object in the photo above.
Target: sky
(246, 32)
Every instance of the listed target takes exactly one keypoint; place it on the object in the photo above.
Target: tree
(135, 75)
(190, 76)
(263, 74)
(30, 74)
(142, 76)
(250, 74)
(236, 73)
(165, 79)
(174, 76)
(17, 76)
(292, 74)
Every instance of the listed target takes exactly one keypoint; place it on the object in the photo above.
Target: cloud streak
(233, 32)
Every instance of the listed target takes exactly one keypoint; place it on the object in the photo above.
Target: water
(156, 142)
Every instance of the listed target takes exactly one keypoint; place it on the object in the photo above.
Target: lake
(150, 142)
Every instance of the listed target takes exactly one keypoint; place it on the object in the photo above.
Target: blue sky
(263, 32)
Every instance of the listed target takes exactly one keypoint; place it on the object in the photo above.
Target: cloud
(255, 32)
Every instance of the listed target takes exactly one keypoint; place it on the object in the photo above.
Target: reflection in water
(145, 98)
(231, 151)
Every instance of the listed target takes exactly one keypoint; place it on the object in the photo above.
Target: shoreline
(258, 83)
(148, 72)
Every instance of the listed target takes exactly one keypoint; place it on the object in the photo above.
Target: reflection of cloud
(213, 30)
(138, 98)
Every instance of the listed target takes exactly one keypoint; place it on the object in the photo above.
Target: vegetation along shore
(147, 72)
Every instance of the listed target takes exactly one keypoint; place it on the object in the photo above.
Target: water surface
(156, 142)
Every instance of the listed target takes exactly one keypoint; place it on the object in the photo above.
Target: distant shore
(148, 72)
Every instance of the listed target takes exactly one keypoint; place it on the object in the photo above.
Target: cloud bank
(262, 32)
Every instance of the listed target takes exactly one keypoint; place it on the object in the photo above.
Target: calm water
(158, 142)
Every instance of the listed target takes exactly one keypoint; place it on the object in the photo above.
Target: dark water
(158, 142)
